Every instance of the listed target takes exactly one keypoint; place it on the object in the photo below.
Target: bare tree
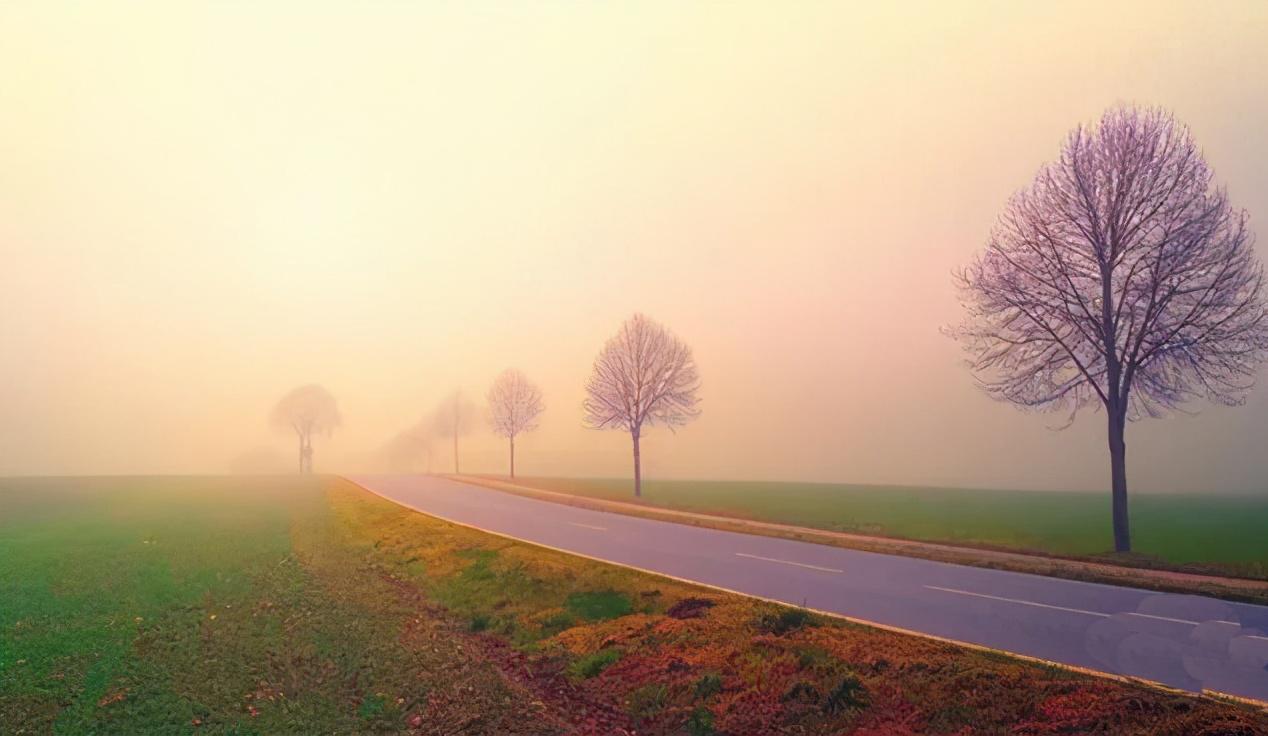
(307, 410)
(452, 419)
(1121, 278)
(644, 376)
(514, 405)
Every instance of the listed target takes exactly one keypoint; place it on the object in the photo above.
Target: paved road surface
(1187, 642)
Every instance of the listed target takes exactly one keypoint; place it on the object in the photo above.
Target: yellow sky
(204, 205)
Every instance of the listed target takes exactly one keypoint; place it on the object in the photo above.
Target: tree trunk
(512, 457)
(1118, 480)
(301, 454)
(455, 452)
(638, 470)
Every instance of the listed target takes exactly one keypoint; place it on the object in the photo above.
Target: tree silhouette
(307, 410)
(1121, 278)
(452, 419)
(514, 405)
(644, 376)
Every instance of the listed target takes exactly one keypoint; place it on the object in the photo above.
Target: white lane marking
(1261, 638)
(1080, 610)
(1164, 618)
(788, 562)
(589, 526)
(1181, 620)
(1018, 601)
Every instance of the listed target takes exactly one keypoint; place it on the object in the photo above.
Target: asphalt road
(1188, 642)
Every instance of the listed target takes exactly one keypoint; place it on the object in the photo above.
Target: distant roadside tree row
(1121, 279)
(643, 377)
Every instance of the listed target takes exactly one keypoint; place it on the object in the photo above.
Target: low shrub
(700, 723)
(708, 685)
(592, 664)
(599, 605)
(849, 694)
(785, 620)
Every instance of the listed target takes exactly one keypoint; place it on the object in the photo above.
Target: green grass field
(169, 605)
(310, 606)
(1224, 531)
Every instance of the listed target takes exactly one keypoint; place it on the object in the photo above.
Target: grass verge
(270, 606)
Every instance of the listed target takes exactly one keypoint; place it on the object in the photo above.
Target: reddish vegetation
(689, 608)
(544, 676)
(112, 698)
(676, 660)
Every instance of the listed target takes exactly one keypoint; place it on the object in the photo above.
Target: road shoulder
(1168, 581)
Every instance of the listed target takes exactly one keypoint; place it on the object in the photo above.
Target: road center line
(1078, 610)
(1172, 620)
(788, 562)
(1018, 601)
(589, 526)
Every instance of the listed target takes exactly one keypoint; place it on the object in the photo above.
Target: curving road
(1187, 642)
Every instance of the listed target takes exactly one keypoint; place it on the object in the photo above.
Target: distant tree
(1121, 278)
(644, 376)
(424, 446)
(514, 405)
(307, 410)
(454, 418)
(408, 450)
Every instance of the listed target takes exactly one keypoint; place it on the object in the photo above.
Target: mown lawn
(1180, 529)
(301, 606)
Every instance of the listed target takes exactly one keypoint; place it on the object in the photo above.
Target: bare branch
(643, 376)
(1121, 276)
(514, 404)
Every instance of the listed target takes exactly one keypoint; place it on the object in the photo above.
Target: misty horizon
(204, 209)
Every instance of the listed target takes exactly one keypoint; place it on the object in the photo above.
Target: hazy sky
(202, 206)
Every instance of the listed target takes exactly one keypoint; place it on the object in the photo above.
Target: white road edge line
(788, 562)
(589, 526)
(1018, 601)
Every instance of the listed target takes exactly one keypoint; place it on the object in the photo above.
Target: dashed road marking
(788, 562)
(1100, 614)
(1017, 601)
(589, 526)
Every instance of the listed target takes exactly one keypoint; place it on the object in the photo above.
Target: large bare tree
(1121, 278)
(453, 418)
(307, 410)
(514, 405)
(644, 376)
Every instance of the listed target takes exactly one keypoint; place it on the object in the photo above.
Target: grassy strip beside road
(1136, 571)
(1201, 533)
(272, 606)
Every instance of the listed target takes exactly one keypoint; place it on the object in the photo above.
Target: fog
(203, 207)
